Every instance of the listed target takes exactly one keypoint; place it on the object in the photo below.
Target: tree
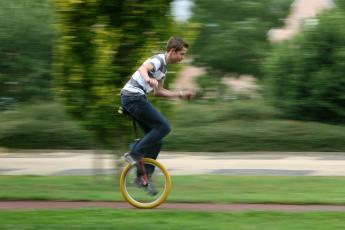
(26, 39)
(233, 35)
(100, 44)
(306, 75)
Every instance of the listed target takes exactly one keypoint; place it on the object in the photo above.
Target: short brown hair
(176, 43)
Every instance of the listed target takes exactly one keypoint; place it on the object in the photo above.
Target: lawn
(206, 188)
(165, 220)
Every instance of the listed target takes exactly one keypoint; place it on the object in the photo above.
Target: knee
(165, 128)
(160, 144)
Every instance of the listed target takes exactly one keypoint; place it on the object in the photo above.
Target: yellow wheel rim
(151, 204)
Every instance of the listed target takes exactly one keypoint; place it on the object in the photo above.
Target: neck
(167, 57)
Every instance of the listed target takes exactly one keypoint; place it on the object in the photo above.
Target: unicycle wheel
(142, 195)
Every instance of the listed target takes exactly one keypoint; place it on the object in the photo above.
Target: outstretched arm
(160, 91)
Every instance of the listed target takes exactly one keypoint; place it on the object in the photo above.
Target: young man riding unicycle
(150, 77)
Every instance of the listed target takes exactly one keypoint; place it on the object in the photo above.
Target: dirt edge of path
(34, 205)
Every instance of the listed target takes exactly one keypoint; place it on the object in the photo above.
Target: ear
(171, 51)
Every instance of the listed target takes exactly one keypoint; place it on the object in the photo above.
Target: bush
(41, 126)
(210, 87)
(306, 75)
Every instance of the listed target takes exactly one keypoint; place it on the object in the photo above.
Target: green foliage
(306, 76)
(41, 126)
(101, 43)
(247, 125)
(210, 87)
(340, 4)
(26, 38)
(233, 34)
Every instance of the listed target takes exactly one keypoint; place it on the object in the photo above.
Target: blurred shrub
(306, 76)
(208, 112)
(233, 34)
(41, 126)
(210, 87)
(247, 125)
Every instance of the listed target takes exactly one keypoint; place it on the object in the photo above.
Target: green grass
(164, 220)
(207, 188)
(247, 125)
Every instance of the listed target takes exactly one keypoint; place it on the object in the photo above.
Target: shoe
(151, 189)
(129, 158)
(140, 182)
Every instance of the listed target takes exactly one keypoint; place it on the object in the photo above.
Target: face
(178, 56)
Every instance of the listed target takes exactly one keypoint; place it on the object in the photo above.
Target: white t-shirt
(137, 84)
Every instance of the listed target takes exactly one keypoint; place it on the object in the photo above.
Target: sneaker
(139, 182)
(151, 189)
(129, 158)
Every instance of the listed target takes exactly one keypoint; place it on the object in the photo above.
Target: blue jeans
(154, 124)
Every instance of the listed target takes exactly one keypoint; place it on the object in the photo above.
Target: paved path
(259, 163)
(206, 207)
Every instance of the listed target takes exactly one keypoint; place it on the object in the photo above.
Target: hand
(152, 82)
(186, 94)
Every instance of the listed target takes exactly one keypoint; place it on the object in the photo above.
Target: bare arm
(160, 91)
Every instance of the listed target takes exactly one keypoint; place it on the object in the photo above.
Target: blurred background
(269, 74)
(270, 100)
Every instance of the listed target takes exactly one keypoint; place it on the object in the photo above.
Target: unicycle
(145, 184)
